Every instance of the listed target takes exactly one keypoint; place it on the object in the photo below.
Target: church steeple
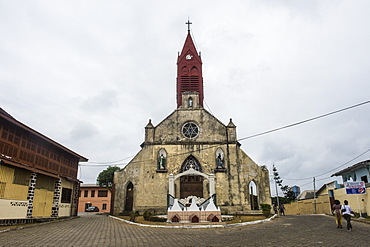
(189, 70)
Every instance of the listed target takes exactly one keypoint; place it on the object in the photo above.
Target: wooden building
(38, 176)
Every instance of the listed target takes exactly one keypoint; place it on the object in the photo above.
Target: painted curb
(197, 226)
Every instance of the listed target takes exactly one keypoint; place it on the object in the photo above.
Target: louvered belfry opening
(190, 81)
(189, 71)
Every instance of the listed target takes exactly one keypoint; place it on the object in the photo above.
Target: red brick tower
(189, 70)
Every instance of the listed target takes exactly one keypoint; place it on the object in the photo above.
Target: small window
(86, 193)
(102, 193)
(66, 195)
(104, 206)
(93, 193)
(190, 102)
(364, 179)
(79, 193)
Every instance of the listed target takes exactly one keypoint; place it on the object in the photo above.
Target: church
(191, 155)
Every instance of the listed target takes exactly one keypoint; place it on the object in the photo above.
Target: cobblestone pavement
(100, 230)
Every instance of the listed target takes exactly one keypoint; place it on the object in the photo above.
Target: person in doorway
(282, 209)
(336, 210)
(346, 212)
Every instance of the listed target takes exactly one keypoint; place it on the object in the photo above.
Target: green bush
(124, 213)
(133, 216)
(147, 215)
(157, 219)
(265, 207)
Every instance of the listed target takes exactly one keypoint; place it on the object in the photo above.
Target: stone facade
(190, 153)
(232, 183)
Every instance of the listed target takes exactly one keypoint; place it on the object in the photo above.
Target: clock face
(190, 130)
(188, 57)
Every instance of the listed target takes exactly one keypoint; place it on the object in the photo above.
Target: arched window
(220, 159)
(190, 102)
(162, 155)
(191, 162)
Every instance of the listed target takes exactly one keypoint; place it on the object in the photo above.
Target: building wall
(356, 175)
(323, 203)
(14, 189)
(96, 200)
(65, 209)
(151, 184)
(13, 197)
(151, 188)
(32, 166)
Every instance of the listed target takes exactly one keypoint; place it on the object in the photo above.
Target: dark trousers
(347, 217)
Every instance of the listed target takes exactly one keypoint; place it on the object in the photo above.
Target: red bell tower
(189, 70)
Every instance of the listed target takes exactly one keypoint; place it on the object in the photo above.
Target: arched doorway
(129, 202)
(175, 219)
(215, 219)
(191, 185)
(253, 196)
(194, 219)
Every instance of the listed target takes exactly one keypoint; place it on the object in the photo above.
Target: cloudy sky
(90, 74)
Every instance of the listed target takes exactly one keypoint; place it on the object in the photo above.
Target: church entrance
(191, 185)
(129, 197)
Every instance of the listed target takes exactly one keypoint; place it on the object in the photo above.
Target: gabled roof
(11, 119)
(306, 194)
(361, 164)
(3, 112)
(189, 47)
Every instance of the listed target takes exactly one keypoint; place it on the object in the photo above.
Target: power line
(305, 121)
(248, 137)
(331, 169)
(110, 162)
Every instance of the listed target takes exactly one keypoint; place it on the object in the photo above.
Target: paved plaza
(101, 230)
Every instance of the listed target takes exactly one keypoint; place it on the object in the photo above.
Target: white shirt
(347, 208)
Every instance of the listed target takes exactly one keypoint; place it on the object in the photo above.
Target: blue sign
(355, 187)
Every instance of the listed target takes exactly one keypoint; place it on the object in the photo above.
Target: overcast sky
(90, 75)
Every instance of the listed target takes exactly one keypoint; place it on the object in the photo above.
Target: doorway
(191, 185)
(129, 202)
(253, 196)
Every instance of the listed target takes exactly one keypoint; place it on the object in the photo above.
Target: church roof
(189, 48)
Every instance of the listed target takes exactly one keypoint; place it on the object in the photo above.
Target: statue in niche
(161, 162)
(220, 162)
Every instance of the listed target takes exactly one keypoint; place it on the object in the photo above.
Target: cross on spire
(188, 23)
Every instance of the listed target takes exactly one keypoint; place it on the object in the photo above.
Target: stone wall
(323, 203)
(151, 185)
(151, 188)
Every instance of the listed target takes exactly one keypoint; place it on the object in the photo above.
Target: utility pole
(314, 195)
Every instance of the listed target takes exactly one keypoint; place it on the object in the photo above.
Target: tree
(105, 178)
(278, 181)
(288, 192)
